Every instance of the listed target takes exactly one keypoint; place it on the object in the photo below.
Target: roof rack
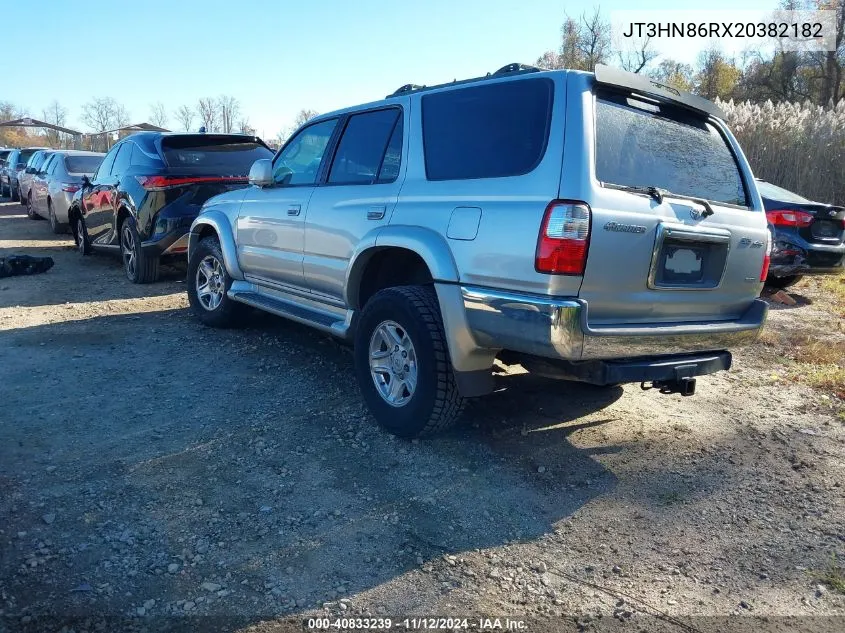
(510, 69)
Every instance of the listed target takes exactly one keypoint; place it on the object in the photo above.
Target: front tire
(140, 267)
(15, 193)
(208, 287)
(402, 363)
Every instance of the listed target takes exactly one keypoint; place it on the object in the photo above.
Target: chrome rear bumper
(559, 328)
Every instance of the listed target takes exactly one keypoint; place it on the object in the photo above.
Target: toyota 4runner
(597, 227)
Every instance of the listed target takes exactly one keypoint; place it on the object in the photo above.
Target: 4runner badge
(624, 228)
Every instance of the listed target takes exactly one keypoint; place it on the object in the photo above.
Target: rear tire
(208, 287)
(783, 282)
(425, 395)
(57, 227)
(140, 267)
(30, 210)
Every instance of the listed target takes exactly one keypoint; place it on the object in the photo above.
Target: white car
(53, 186)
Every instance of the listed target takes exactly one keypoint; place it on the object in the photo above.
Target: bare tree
(637, 58)
(55, 114)
(583, 44)
(158, 114)
(104, 114)
(185, 116)
(245, 128)
(594, 40)
(229, 110)
(303, 117)
(207, 111)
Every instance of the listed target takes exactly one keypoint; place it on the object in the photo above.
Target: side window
(50, 165)
(487, 131)
(300, 159)
(122, 160)
(108, 161)
(46, 164)
(141, 159)
(362, 147)
(393, 156)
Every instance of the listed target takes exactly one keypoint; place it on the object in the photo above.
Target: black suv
(148, 190)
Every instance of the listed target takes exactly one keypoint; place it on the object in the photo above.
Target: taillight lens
(564, 238)
(789, 217)
(767, 258)
(158, 183)
(70, 187)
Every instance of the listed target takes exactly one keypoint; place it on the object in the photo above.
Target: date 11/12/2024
(414, 624)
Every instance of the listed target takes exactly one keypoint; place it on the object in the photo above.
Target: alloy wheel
(127, 248)
(80, 236)
(210, 283)
(393, 363)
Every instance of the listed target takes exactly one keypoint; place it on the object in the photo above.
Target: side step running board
(289, 310)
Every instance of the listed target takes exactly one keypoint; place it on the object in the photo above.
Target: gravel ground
(155, 473)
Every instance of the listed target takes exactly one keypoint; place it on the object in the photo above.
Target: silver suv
(596, 227)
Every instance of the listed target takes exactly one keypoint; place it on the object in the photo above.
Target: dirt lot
(158, 474)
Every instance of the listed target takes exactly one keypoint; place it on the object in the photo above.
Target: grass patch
(833, 576)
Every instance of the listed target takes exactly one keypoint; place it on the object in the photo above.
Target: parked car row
(555, 219)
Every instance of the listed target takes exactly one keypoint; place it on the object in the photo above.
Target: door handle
(376, 213)
(294, 209)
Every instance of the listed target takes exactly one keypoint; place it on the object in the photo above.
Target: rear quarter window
(643, 144)
(486, 131)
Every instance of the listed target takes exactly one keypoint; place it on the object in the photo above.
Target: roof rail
(516, 68)
(406, 88)
(510, 69)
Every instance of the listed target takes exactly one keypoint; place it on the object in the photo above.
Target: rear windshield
(215, 157)
(486, 131)
(82, 164)
(643, 144)
(773, 192)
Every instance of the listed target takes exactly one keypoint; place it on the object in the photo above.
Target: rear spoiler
(641, 84)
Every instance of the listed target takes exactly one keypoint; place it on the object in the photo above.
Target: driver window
(300, 159)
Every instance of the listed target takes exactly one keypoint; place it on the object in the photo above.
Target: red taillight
(767, 257)
(564, 238)
(157, 183)
(70, 187)
(789, 217)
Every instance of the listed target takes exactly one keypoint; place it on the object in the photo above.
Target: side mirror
(86, 181)
(261, 173)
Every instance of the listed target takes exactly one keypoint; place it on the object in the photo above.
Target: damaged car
(809, 237)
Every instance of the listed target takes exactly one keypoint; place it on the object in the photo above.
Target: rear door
(39, 184)
(95, 199)
(359, 193)
(270, 226)
(655, 260)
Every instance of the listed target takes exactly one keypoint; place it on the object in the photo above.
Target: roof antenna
(202, 129)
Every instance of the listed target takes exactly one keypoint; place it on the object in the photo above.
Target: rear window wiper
(658, 194)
